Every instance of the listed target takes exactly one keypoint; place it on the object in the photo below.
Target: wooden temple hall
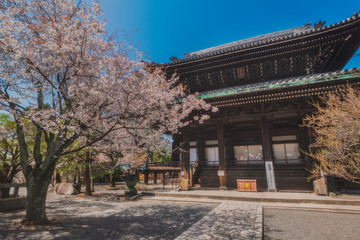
(263, 87)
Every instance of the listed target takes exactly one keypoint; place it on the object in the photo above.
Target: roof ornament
(173, 59)
(319, 25)
(356, 14)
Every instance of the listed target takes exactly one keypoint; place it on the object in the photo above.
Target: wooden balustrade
(16, 187)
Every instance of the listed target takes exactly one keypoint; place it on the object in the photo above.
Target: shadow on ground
(73, 219)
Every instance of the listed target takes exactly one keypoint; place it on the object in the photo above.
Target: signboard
(221, 173)
(240, 72)
(270, 177)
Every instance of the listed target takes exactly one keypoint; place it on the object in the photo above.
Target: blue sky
(166, 28)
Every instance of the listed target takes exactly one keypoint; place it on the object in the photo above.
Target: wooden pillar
(186, 156)
(155, 177)
(163, 180)
(221, 149)
(311, 135)
(309, 162)
(229, 150)
(176, 143)
(146, 178)
(266, 141)
(16, 191)
(200, 147)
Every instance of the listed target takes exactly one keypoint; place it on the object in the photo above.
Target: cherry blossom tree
(61, 71)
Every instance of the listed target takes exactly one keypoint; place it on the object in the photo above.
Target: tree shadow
(141, 221)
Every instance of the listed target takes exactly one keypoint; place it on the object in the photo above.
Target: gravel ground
(299, 224)
(74, 217)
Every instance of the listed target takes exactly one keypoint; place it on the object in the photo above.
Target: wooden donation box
(246, 185)
(184, 184)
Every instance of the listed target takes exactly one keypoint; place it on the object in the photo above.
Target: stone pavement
(242, 220)
(230, 220)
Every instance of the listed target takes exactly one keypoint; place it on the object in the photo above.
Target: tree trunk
(58, 178)
(87, 175)
(112, 183)
(36, 201)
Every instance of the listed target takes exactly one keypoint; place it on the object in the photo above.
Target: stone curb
(256, 199)
(313, 209)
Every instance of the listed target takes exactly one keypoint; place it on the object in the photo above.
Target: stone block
(67, 189)
(320, 187)
(12, 203)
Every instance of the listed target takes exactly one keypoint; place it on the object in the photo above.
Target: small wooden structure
(246, 185)
(155, 168)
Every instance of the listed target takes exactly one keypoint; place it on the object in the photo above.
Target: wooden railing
(163, 164)
(287, 161)
(206, 163)
(232, 163)
(16, 187)
(283, 162)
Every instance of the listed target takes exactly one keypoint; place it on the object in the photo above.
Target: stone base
(320, 187)
(129, 192)
(12, 203)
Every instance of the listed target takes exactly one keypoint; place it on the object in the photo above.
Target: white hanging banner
(270, 177)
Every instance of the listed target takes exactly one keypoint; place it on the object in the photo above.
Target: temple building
(264, 87)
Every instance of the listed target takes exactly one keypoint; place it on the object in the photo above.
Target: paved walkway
(230, 220)
(242, 220)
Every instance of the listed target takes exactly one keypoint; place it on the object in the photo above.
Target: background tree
(337, 127)
(61, 71)
(72, 163)
(9, 153)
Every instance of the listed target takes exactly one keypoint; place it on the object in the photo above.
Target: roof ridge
(261, 39)
(258, 38)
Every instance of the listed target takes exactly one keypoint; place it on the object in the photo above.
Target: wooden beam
(9, 185)
(221, 149)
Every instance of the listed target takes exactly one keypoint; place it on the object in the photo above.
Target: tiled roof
(282, 83)
(261, 40)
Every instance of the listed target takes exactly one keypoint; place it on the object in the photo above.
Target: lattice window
(283, 66)
(286, 153)
(216, 79)
(192, 82)
(252, 154)
(269, 69)
(228, 76)
(299, 64)
(254, 71)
